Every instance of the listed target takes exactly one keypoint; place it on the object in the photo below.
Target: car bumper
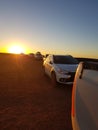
(65, 79)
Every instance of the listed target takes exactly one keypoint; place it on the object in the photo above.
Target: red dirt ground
(27, 99)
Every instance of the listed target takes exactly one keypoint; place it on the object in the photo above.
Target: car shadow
(64, 85)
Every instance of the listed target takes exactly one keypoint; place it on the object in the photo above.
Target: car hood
(67, 67)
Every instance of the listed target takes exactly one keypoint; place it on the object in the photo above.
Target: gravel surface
(27, 99)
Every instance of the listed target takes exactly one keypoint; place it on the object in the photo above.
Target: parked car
(60, 68)
(85, 97)
(38, 56)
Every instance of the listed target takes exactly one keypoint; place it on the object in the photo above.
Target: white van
(85, 97)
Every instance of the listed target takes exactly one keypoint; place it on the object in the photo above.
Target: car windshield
(64, 60)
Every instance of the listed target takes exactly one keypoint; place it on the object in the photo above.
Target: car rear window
(64, 60)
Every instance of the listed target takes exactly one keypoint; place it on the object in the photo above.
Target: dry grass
(27, 99)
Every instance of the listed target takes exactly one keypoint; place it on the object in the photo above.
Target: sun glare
(16, 49)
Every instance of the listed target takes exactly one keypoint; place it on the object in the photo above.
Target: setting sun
(16, 49)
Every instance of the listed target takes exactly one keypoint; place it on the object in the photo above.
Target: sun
(16, 49)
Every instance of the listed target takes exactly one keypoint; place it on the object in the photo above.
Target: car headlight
(61, 71)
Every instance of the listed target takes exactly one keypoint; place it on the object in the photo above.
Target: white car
(85, 97)
(60, 68)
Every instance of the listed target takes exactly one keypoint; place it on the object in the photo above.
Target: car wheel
(53, 79)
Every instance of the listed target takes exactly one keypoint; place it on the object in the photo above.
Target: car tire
(53, 79)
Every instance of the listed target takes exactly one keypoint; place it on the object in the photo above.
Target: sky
(50, 26)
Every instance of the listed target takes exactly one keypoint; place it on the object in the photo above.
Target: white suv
(60, 68)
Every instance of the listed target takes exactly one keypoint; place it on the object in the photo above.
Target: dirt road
(27, 99)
